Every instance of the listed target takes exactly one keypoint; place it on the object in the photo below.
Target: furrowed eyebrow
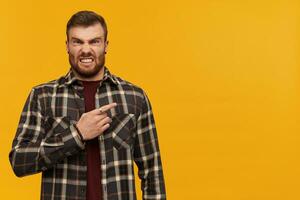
(74, 38)
(96, 38)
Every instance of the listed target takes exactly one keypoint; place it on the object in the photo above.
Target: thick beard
(91, 73)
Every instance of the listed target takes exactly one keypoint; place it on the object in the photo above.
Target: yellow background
(222, 76)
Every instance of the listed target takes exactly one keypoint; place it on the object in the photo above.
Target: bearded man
(85, 130)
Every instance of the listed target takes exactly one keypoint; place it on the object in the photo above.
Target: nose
(86, 48)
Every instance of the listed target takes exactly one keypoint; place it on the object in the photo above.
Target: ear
(67, 46)
(106, 46)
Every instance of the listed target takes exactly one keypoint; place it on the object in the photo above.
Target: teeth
(86, 60)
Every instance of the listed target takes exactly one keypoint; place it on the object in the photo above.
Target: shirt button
(104, 161)
(101, 137)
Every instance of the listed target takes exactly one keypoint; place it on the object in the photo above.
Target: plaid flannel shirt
(47, 140)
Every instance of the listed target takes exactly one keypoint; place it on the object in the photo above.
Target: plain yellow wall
(222, 75)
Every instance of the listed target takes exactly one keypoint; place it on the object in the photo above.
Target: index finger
(105, 108)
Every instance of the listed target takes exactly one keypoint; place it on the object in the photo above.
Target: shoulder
(47, 88)
(130, 87)
(134, 94)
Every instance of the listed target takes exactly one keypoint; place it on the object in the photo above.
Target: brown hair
(86, 18)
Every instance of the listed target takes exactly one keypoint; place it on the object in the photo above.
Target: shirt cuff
(77, 136)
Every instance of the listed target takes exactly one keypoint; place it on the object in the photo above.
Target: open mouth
(86, 60)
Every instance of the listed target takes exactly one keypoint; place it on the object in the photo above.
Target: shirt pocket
(55, 126)
(123, 130)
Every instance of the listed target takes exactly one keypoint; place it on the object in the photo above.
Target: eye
(76, 42)
(96, 42)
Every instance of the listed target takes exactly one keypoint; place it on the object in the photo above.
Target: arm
(32, 151)
(147, 155)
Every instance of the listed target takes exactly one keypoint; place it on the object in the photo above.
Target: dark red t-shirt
(94, 187)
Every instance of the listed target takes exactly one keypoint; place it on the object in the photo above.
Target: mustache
(89, 54)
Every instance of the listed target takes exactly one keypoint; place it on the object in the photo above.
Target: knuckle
(98, 126)
(97, 118)
(84, 115)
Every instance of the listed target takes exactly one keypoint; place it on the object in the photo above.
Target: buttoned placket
(79, 100)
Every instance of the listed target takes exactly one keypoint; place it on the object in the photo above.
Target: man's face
(86, 47)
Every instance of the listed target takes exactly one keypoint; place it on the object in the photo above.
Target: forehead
(86, 32)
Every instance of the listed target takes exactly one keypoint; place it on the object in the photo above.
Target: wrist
(79, 133)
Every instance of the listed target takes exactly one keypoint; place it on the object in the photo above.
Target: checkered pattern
(47, 141)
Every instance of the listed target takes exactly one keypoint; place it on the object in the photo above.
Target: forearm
(147, 155)
(33, 156)
(152, 178)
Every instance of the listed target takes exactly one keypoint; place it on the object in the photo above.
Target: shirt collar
(70, 77)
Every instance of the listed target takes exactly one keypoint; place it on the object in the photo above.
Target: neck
(97, 77)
